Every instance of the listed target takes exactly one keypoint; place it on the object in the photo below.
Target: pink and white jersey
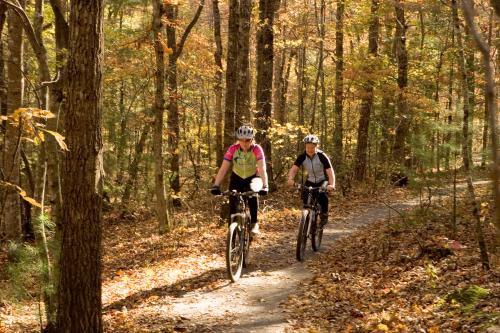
(244, 163)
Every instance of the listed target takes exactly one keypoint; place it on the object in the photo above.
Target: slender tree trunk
(339, 88)
(122, 137)
(404, 117)
(134, 166)
(471, 72)
(158, 110)
(79, 306)
(449, 107)
(280, 59)
(265, 41)
(173, 106)
(301, 84)
(3, 82)
(284, 92)
(231, 73)
(465, 133)
(490, 99)
(12, 149)
(242, 112)
(484, 155)
(53, 156)
(367, 96)
(436, 150)
(218, 82)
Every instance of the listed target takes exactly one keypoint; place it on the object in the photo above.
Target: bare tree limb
(185, 35)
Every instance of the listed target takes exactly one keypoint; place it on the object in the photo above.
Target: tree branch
(180, 46)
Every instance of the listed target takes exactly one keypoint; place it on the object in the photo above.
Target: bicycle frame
(238, 233)
(308, 225)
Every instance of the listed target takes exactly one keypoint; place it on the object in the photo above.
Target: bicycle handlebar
(236, 193)
(310, 188)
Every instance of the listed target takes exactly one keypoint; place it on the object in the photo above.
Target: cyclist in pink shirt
(248, 162)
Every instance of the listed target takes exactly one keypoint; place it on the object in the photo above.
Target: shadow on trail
(202, 281)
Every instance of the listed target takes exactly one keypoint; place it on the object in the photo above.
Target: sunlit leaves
(22, 193)
(31, 129)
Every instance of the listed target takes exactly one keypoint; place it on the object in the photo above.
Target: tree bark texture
(171, 12)
(367, 94)
(231, 73)
(159, 109)
(491, 101)
(12, 147)
(403, 113)
(466, 158)
(265, 39)
(79, 294)
(218, 82)
(339, 87)
(243, 111)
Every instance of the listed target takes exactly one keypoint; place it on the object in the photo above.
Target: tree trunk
(265, 40)
(242, 111)
(279, 67)
(231, 73)
(449, 107)
(79, 306)
(484, 153)
(465, 151)
(3, 83)
(218, 82)
(367, 94)
(490, 99)
(3, 105)
(134, 166)
(301, 83)
(158, 109)
(15, 87)
(54, 191)
(339, 88)
(173, 106)
(404, 117)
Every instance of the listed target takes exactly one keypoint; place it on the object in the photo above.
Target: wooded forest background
(133, 103)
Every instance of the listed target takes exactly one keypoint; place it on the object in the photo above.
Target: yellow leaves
(59, 138)
(171, 2)
(32, 131)
(22, 193)
(382, 327)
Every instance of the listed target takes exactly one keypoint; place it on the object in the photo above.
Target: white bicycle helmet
(244, 132)
(311, 138)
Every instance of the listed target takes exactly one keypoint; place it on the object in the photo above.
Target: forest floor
(388, 263)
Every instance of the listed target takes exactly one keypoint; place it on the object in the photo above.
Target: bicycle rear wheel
(302, 237)
(234, 251)
(316, 234)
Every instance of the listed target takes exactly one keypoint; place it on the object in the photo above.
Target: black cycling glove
(215, 190)
(264, 191)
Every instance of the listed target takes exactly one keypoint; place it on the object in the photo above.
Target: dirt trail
(253, 303)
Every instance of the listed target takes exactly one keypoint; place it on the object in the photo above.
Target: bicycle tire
(316, 235)
(302, 237)
(248, 240)
(234, 251)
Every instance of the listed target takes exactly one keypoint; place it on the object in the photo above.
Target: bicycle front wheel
(234, 251)
(316, 234)
(248, 239)
(302, 236)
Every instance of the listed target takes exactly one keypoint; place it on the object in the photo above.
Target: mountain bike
(309, 225)
(239, 236)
